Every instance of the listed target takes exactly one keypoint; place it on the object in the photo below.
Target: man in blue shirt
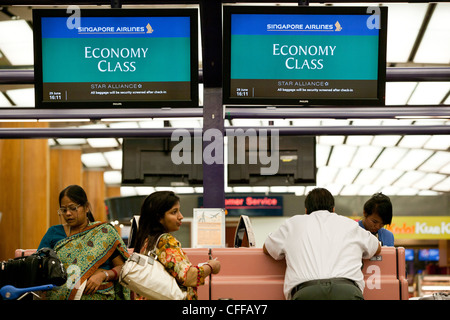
(377, 214)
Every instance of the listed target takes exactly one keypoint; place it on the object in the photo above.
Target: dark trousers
(327, 289)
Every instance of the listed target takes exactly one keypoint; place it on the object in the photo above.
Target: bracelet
(115, 274)
(107, 276)
(198, 275)
(207, 264)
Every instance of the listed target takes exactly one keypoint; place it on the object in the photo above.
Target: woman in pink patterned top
(160, 214)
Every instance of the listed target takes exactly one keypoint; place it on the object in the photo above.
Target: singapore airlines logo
(120, 29)
(300, 27)
(149, 28)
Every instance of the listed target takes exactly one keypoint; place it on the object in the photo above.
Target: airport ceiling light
(414, 141)
(350, 190)
(128, 191)
(367, 176)
(102, 142)
(112, 177)
(436, 162)
(365, 156)
(322, 154)
(114, 159)
(404, 22)
(358, 140)
(341, 156)
(429, 181)
(71, 141)
(335, 122)
(154, 123)
(443, 186)
(305, 122)
(144, 191)
(389, 158)
(368, 190)
(4, 102)
(16, 42)
(326, 175)
(388, 177)
(435, 45)
(124, 125)
(334, 188)
(447, 101)
(331, 140)
(398, 93)
(390, 190)
(186, 123)
(346, 176)
(94, 160)
(198, 189)
(428, 193)
(408, 179)
(243, 189)
(184, 190)
(407, 192)
(445, 169)
(22, 97)
(429, 93)
(386, 141)
(366, 122)
(413, 159)
(247, 123)
(438, 142)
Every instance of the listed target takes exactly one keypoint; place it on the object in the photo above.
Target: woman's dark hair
(319, 199)
(77, 195)
(380, 204)
(153, 210)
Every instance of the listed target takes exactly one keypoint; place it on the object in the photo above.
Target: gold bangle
(107, 276)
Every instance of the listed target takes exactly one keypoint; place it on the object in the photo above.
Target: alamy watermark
(262, 147)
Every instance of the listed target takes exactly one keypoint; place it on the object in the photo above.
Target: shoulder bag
(146, 276)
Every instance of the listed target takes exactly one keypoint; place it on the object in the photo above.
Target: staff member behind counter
(323, 252)
(377, 214)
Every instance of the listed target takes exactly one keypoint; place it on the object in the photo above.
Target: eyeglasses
(72, 209)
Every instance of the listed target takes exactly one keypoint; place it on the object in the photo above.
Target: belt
(321, 281)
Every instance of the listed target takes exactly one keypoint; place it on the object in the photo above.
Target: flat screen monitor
(429, 255)
(409, 254)
(254, 162)
(304, 56)
(150, 162)
(116, 58)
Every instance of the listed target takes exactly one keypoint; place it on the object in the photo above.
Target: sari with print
(82, 254)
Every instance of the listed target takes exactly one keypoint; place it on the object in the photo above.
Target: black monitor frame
(193, 101)
(228, 11)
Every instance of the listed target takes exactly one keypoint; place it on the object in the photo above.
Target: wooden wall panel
(35, 191)
(23, 191)
(94, 186)
(65, 170)
(10, 196)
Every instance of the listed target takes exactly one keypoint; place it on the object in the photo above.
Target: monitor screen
(116, 58)
(254, 162)
(151, 162)
(429, 255)
(304, 56)
(409, 254)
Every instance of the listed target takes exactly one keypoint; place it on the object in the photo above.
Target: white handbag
(146, 276)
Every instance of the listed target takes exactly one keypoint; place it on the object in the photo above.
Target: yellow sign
(420, 227)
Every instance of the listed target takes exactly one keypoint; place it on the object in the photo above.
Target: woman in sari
(160, 215)
(92, 252)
